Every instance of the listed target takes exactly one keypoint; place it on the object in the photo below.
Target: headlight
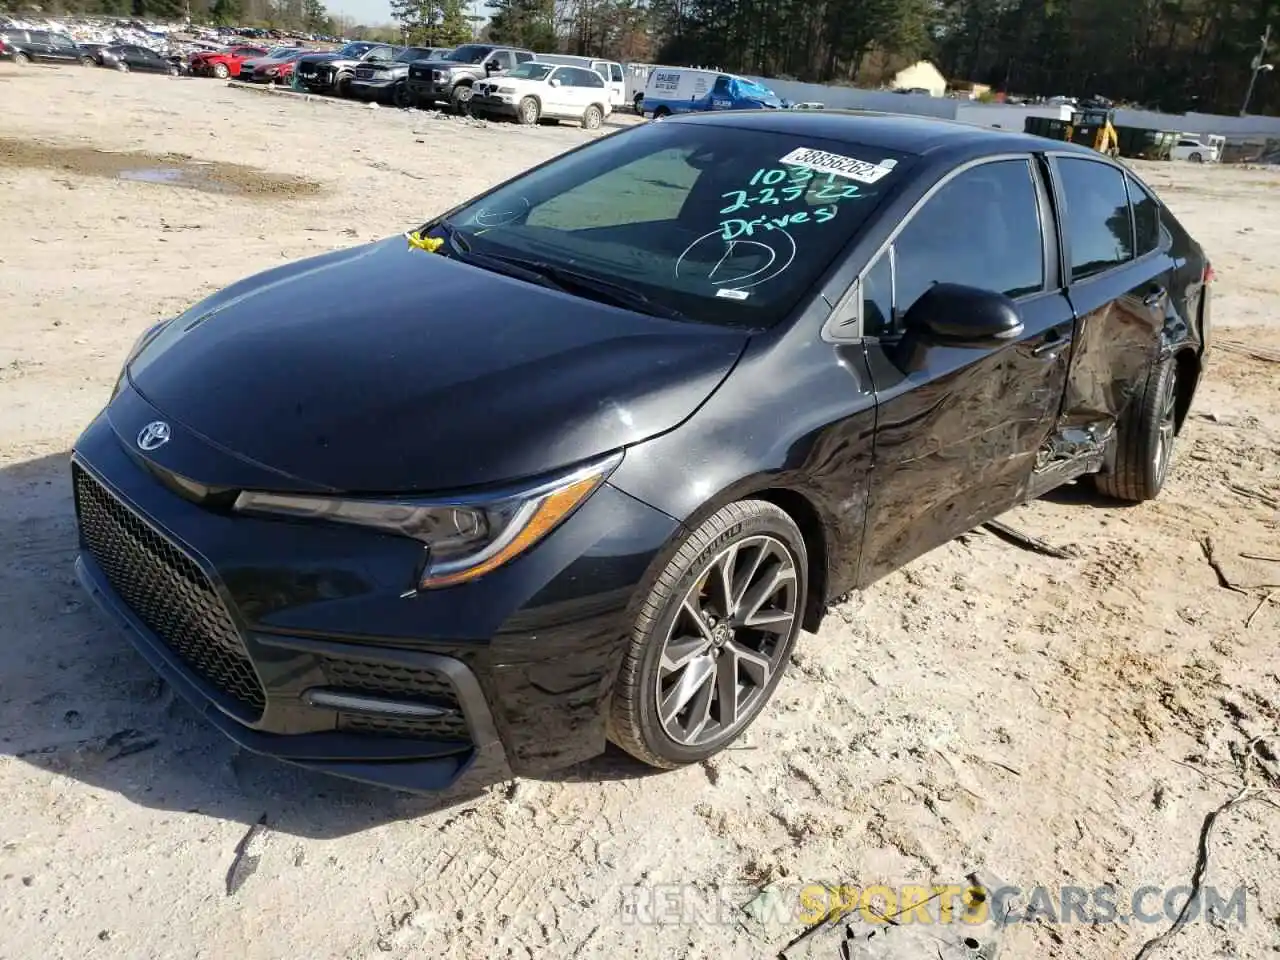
(506, 89)
(465, 537)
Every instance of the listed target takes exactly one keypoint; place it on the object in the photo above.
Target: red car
(274, 69)
(223, 63)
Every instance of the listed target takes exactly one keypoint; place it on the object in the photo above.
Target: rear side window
(1099, 228)
(1146, 219)
(982, 229)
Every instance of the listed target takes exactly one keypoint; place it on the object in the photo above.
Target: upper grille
(167, 591)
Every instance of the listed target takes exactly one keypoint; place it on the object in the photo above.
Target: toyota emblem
(155, 434)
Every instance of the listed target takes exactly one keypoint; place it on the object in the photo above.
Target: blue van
(681, 90)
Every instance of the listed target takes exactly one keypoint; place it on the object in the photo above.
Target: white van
(681, 90)
(610, 70)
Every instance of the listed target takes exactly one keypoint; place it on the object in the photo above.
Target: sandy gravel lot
(1052, 721)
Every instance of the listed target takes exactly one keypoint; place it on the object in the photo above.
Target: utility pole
(1257, 67)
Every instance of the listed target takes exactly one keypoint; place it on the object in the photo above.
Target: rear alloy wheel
(86, 61)
(122, 66)
(220, 71)
(21, 59)
(593, 117)
(528, 113)
(1144, 438)
(713, 637)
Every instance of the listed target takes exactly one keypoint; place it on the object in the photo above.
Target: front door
(958, 428)
(1119, 285)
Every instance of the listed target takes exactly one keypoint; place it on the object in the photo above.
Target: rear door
(62, 48)
(959, 428)
(1118, 282)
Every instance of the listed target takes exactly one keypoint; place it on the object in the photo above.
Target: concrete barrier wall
(998, 115)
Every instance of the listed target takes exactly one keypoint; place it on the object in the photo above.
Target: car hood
(322, 58)
(386, 369)
(446, 65)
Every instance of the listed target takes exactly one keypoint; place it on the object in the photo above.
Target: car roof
(901, 133)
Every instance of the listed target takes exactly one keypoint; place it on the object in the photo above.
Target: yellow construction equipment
(1095, 126)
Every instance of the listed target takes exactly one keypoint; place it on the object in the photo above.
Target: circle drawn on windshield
(484, 217)
(784, 252)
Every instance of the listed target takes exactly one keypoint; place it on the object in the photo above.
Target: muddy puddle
(170, 170)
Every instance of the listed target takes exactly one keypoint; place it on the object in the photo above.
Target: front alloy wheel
(713, 638)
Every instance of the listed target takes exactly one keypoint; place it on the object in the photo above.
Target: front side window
(1096, 208)
(615, 72)
(724, 225)
(981, 229)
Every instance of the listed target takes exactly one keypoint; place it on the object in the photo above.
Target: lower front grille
(167, 591)
(403, 683)
(426, 728)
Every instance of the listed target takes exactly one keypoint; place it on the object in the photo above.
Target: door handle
(1054, 342)
(1154, 298)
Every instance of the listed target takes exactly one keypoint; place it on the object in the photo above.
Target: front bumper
(301, 641)
(322, 80)
(509, 107)
(430, 88)
(375, 87)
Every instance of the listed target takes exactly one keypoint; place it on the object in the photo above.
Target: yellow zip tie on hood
(429, 244)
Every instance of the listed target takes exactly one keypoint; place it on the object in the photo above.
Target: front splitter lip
(464, 773)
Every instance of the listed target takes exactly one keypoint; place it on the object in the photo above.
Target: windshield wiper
(460, 247)
(606, 290)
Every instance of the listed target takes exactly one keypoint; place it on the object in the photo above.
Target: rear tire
(1196, 158)
(660, 113)
(529, 112)
(86, 61)
(221, 71)
(727, 607)
(592, 118)
(174, 71)
(638, 104)
(122, 67)
(1144, 438)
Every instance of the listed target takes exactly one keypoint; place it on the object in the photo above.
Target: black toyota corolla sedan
(577, 460)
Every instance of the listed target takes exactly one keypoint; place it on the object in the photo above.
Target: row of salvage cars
(472, 78)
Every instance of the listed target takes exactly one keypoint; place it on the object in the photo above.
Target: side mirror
(955, 315)
(554, 81)
(492, 65)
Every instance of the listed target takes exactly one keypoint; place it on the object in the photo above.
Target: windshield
(720, 224)
(469, 53)
(531, 71)
(414, 53)
(353, 50)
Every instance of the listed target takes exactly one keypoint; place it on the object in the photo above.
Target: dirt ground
(1050, 720)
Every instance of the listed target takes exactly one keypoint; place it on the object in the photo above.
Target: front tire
(712, 638)
(1196, 158)
(401, 98)
(122, 66)
(528, 112)
(461, 99)
(21, 59)
(1144, 438)
(221, 71)
(86, 61)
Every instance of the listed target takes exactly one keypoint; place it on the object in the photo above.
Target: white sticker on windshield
(733, 294)
(841, 166)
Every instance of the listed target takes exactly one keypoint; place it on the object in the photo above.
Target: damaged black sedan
(579, 460)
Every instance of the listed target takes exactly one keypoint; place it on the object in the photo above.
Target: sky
(374, 12)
